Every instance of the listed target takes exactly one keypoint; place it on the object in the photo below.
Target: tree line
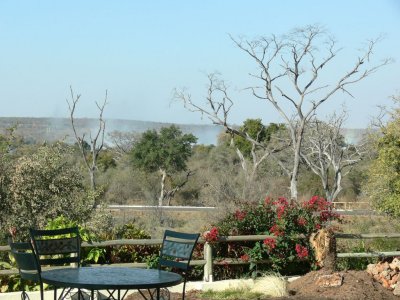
(300, 157)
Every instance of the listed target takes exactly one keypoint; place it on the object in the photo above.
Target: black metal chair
(176, 253)
(27, 264)
(57, 247)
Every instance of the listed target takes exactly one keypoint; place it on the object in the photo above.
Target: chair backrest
(177, 249)
(57, 246)
(26, 260)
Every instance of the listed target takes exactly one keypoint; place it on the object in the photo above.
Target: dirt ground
(356, 285)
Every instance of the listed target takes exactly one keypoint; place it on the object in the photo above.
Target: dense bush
(42, 186)
(289, 224)
(131, 253)
(110, 254)
(383, 184)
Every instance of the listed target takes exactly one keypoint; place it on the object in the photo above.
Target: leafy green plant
(356, 263)
(152, 261)
(289, 226)
(131, 253)
(13, 283)
(43, 185)
(93, 254)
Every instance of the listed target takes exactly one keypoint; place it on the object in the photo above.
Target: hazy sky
(141, 50)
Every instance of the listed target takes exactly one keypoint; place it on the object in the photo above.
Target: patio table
(112, 279)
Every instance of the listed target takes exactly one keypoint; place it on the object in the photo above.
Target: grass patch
(231, 294)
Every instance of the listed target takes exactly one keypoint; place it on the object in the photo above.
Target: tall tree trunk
(92, 180)
(337, 187)
(296, 161)
(92, 177)
(162, 193)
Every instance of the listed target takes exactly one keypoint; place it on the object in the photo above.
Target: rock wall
(387, 273)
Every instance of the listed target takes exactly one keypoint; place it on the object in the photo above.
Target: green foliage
(257, 131)
(86, 146)
(93, 254)
(132, 253)
(130, 231)
(383, 184)
(285, 222)
(168, 150)
(44, 185)
(356, 263)
(152, 261)
(106, 160)
(8, 143)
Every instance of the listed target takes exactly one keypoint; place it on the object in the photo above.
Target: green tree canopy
(383, 184)
(167, 150)
(257, 131)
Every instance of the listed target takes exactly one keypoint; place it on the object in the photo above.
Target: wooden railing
(352, 205)
(208, 261)
(117, 207)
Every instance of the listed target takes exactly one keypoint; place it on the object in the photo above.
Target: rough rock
(388, 274)
(330, 280)
(396, 290)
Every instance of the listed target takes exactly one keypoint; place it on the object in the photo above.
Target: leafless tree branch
(96, 141)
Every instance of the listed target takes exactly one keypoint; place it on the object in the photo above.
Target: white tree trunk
(162, 193)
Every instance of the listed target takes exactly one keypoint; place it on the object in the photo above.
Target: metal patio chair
(57, 247)
(176, 254)
(27, 264)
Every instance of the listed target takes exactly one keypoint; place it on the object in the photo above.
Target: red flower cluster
(270, 243)
(212, 235)
(282, 201)
(240, 215)
(281, 205)
(301, 221)
(245, 257)
(317, 203)
(275, 230)
(302, 252)
(280, 211)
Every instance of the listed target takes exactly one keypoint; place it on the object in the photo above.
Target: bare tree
(257, 158)
(168, 194)
(293, 59)
(96, 140)
(217, 109)
(328, 155)
(123, 142)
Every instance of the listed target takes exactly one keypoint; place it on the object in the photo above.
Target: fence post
(208, 267)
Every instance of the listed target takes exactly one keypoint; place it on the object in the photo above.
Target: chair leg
(184, 287)
(24, 295)
(41, 291)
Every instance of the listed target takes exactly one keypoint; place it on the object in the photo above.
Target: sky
(140, 51)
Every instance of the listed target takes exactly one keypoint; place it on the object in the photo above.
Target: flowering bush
(288, 224)
(302, 252)
(269, 244)
(211, 236)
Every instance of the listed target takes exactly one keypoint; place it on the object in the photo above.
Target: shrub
(131, 253)
(88, 255)
(44, 185)
(289, 224)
